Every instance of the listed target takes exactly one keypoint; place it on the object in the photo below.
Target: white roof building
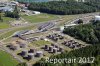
(97, 18)
(14, 2)
(36, 12)
(61, 28)
(6, 8)
(65, 26)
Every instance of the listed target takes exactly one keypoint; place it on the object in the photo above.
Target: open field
(7, 19)
(5, 23)
(40, 43)
(33, 19)
(39, 18)
(6, 59)
(4, 0)
(9, 33)
(67, 18)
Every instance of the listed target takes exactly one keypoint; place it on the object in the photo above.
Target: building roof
(97, 17)
(6, 8)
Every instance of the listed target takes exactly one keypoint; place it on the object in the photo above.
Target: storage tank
(32, 55)
(60, 50)
(46, 47)
(51, 49)
(39, 54)
(54, 50)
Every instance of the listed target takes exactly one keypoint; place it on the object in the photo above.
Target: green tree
(16, 12)
(22, 64)
(80, 21)
(1, 18)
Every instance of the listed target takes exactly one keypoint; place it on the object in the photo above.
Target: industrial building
(35, 12)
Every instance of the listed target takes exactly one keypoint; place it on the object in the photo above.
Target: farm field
(6, 59)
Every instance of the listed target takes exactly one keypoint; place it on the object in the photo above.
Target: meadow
(6, 59)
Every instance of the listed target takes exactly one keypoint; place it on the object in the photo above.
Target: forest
(89, 51)
(65, 7)
(89, 33)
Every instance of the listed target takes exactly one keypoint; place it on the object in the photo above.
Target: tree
(65, 7)
(14, 14)
(89, 33)
(80, 21)
(22, 64)
(1, 18)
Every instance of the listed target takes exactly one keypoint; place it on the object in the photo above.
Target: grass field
(40, 42)
(6, 59)
(5, 23)
(9, 33)
(67, 18)
(39, 18)
(7, 19)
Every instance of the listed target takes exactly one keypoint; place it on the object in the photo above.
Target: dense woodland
(92, 0)
(89, 33)
(65, 7)
(89, 51)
